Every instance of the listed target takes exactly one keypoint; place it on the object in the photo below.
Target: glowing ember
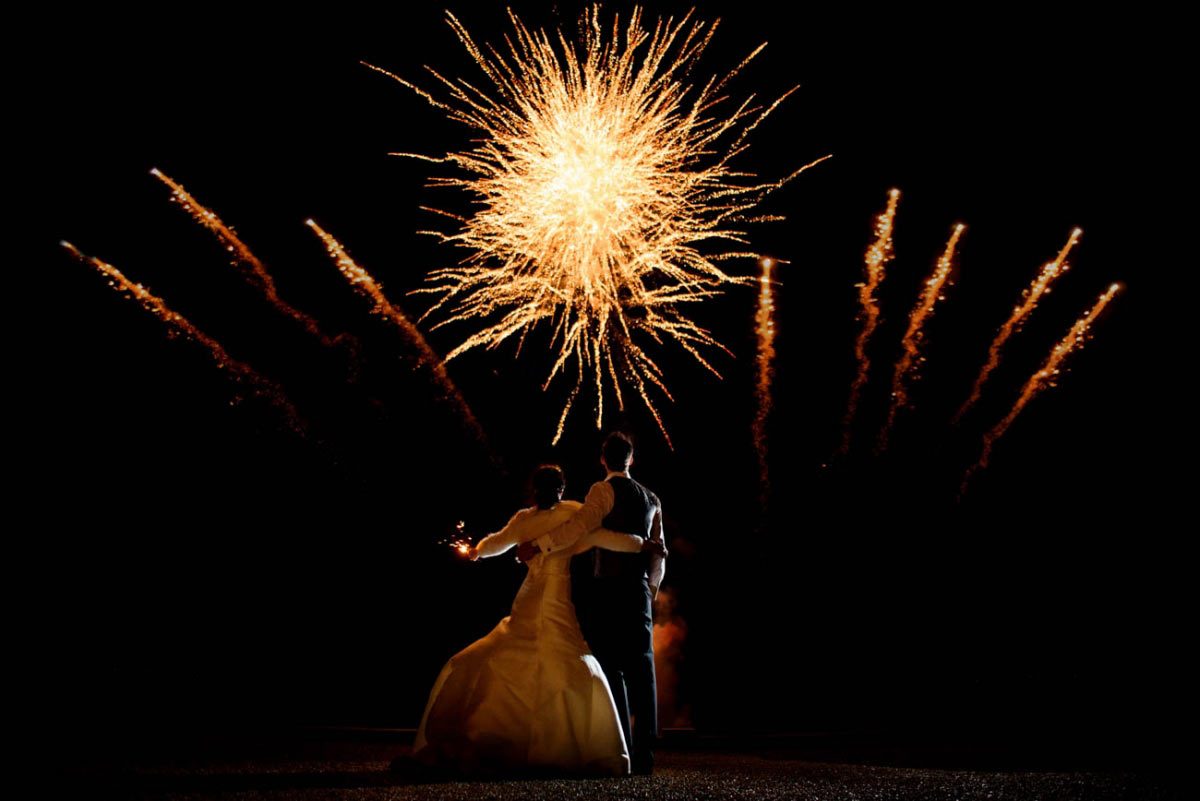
(1041, 379)
(765, 327)
(242, 256)
(1029, 301)
(240, 371)
(910, 359)
(878, 255)
(362, 281)
(597, 170)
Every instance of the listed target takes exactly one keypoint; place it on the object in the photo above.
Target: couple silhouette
(565, 684)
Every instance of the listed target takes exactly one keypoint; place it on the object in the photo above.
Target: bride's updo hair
(548, 485)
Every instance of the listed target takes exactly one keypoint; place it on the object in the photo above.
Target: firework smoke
(1029, 301)
(1040, 380)
(669, 634)
(597, 170)
(910, 359)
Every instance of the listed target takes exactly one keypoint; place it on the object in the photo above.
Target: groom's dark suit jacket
(611, 593)
(633, 512)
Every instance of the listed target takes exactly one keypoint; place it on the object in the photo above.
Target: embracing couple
(554, 686)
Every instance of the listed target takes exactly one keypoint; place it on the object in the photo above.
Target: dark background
(204, 566)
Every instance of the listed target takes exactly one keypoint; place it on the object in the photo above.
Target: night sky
(206, 565)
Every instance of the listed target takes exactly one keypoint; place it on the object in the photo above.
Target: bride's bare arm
(502, 540)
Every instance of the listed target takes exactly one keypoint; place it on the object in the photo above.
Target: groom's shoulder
(651, 495)
(649, 492)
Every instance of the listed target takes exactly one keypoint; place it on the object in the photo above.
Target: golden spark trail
(595, 174)
(1029, 301)
(366, 285)
(877, 257)
(240, 371)
(765, 327)
(253, 268)
(910, 359)
(1041, 379)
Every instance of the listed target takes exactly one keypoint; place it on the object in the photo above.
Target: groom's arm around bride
(598, 507)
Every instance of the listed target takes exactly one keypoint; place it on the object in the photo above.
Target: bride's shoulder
(541, 520)
(531, 522)
(522, 517)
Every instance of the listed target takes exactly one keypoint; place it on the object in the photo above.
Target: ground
(351, 768)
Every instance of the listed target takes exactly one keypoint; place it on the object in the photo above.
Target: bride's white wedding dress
(529, 695)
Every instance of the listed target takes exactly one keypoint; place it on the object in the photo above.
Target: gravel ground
(684, 775)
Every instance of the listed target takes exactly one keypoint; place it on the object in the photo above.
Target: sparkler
(596, 172)
(365, 284)
(1041, 379)
(1029, 301)
(911, 358)
(242, 256)
(459, 542)
(178, 324)
(878, 255)
(765, 326)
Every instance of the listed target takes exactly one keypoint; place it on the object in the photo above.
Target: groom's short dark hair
(617, 451)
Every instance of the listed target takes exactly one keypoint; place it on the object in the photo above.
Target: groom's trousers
(615, 616)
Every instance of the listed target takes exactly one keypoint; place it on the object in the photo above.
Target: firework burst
(597, 172)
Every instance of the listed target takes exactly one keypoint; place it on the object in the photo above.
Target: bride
(530, 695)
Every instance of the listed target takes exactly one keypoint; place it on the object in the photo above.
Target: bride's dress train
(529, 695)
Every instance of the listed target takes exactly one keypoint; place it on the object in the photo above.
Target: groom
(614, 607)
